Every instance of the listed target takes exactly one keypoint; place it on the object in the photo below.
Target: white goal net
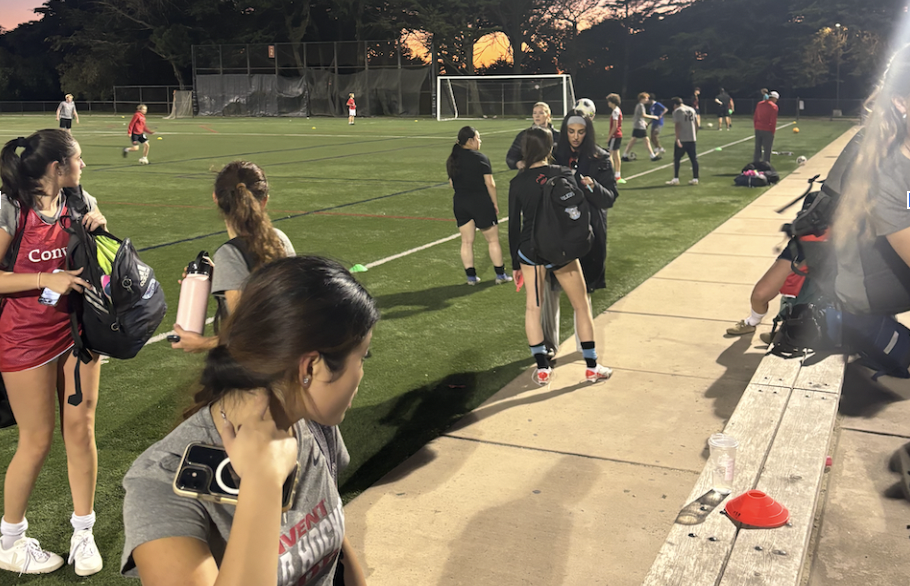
(182, 106)
(497, 96)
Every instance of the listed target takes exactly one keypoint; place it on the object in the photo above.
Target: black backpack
(7, 419)
(766, 169)
(117, 323)
(562, 227)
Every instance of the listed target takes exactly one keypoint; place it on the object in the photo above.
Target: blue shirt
(657, 109)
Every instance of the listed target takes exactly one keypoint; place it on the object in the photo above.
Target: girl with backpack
(474, 202)
(577, 149)
(526, 193)
(273, 391)
(241, 194)
(36, 363)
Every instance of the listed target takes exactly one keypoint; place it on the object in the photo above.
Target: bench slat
(777, 372)
(826, 376)
(697, 561)
(792, 475)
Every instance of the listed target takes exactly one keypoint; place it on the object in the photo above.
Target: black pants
(687, 148)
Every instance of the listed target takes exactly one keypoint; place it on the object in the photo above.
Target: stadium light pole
(837, 87)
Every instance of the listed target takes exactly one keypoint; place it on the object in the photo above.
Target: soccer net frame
(182, 107)
(473, 97)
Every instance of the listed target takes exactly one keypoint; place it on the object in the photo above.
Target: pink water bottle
(194, 294)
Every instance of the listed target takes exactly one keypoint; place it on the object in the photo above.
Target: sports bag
(7, 419)
(122, 310)
(562, 227)
(765, 169)
(753, 179)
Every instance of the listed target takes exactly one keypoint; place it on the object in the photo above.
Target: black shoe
(625, 159)
(124, 152)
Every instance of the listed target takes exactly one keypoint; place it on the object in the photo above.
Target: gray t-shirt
(684, 117)
(67, 109)
(639, 122)
(230, 268)
(9, 213)
(311, 531)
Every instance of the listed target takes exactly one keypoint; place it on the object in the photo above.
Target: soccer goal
(497, 96)
(182, 106)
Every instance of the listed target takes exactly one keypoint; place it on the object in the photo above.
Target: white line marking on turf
(382, 261)
(296, 135)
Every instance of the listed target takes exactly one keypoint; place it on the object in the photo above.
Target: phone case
(205, 473)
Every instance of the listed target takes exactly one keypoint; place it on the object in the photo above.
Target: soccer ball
(632, 156)
(586, 107)
(710, 125)
(801, 161)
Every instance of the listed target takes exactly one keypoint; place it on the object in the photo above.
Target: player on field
(66, 112)
(352, 108)
(725, 109)
(137, 131)
(614, 137)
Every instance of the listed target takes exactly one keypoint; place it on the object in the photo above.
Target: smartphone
(173, 338)
(205, 473)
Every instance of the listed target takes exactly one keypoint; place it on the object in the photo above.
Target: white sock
(82, 523)
(12, 532)
(617, 175)
(755, 318)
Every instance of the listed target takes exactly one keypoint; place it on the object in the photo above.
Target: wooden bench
(784, 423)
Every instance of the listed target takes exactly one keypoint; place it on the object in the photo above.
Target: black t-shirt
(724, 100)
(468, 180)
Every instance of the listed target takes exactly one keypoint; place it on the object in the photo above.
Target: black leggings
(687, 148)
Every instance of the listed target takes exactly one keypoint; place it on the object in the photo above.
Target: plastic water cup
(723, 461)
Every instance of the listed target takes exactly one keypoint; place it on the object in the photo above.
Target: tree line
(85, 47)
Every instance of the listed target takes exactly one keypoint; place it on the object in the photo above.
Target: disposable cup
(723, 461)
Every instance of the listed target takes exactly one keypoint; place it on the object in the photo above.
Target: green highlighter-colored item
(359, 269)
(107, 251)
(718, 149)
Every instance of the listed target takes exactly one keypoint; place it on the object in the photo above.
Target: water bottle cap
(200, 265)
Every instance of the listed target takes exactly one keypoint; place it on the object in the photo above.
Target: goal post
(498, 96)
(182, 107)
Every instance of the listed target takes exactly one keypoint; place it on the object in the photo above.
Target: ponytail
(21, 173)
(464, 135)
(240, 190)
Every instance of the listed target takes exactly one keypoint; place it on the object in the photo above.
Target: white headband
(576, 120)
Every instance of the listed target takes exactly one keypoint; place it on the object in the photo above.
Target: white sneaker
(143, 161)
(27, 557)
(598, 373)
(84, 553)
(674, 181)
(693, 182)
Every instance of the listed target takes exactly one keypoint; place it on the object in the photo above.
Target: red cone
(757, 509)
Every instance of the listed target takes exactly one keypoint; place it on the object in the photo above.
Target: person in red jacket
(137, 131)
(765, 122)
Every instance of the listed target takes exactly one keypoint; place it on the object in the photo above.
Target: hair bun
(21, 142)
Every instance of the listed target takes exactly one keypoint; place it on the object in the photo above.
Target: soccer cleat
(693, 182)
(125, 152)
(620, 181)
(765, 337)
(542, 376)
(740, 329)
(598, 373)
(473, 280)
(674, 181)
(500, 279)
(661, 150)
(27, 557)
(143, 161)
(84, 553)
(656, 157)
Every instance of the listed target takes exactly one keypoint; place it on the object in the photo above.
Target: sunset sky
(15, 12)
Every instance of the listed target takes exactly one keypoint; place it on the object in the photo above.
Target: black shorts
(138, 138)
(724, 113)
(787, 254)
(66, 123)
(477, 208)
(639, 133)
(614, 144)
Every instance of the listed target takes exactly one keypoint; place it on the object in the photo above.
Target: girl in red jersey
(35, 339)
(352, 108)
(137, 130)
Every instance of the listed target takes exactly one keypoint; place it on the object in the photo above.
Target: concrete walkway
(577, 483)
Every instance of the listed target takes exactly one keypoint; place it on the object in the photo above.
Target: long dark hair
(464, 135)
(289, 308)
(884, 131)
(240, 190)
(536, 145)
(21, 174)
(588, 147)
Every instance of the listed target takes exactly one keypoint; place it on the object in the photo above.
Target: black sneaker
(125, 152)
(625, 159)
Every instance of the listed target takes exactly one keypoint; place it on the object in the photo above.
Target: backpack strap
(76, 208)
(12, 253)
(811, 181)
(221, 310)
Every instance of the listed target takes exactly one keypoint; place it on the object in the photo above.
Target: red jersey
(32, 334)
(137, 124)
(351, 104)
(765, 117)
(616, 123)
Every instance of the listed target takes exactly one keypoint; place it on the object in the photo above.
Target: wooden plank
(792, 475)
(698, 560)
(776, 371)
(826, 376)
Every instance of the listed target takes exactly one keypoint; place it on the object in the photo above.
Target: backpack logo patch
(573, 212)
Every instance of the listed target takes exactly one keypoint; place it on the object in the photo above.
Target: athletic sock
(539, 351)
(754, 318)
(501, 270)
(82, 523)
(616, 175)
(12, 532)
(590, 354)
(471, 273)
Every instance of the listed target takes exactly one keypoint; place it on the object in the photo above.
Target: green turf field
(360, 194)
